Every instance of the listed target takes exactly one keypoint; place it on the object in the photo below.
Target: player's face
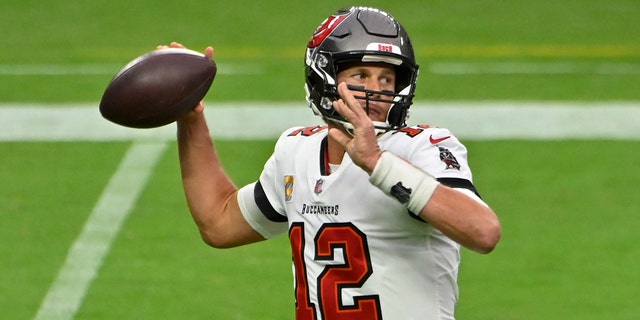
(375, 77)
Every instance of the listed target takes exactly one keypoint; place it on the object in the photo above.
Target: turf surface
(568, 207)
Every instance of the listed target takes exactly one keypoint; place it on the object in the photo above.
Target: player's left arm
(462, 218)
(469, 222)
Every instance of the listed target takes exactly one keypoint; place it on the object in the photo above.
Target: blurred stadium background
(568, 205)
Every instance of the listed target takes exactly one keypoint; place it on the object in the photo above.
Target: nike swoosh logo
(437, 140)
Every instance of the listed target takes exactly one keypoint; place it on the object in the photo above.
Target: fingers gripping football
(159, 87)
(362, 147)
(208, 52)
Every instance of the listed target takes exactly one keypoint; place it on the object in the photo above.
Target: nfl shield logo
(318, 187)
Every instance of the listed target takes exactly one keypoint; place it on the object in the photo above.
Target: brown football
(157, 88)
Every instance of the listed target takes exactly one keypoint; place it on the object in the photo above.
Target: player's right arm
(211, 195)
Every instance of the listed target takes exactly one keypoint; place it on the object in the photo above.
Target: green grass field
(568, 207)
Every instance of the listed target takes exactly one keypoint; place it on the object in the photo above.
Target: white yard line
(533, 68)
(103, 69)
(85, 256)
(468, 120)
(446, 68)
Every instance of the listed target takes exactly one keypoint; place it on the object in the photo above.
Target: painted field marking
(507, 50)
(238, 121)
(533, 68)
(85, 256)
(104, 69)
(453, 68)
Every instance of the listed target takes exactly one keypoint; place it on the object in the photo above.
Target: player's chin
(377, 114)
(378, 118)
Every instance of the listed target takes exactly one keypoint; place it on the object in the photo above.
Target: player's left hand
(362, 147)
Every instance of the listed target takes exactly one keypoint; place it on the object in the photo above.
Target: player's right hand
(363, 147)
(208, 52)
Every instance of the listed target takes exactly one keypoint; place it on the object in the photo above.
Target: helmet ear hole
(398, 115)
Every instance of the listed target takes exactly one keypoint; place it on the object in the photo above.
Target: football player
(375, 210)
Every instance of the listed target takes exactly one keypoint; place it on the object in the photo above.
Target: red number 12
(353, 273)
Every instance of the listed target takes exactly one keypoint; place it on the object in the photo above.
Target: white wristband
(402, 180)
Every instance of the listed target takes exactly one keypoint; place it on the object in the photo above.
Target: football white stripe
(468, 120)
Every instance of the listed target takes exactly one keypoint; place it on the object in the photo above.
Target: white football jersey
(357, 252)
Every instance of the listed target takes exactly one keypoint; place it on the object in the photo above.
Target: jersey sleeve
(440, 157)
(441, 154)
(447, 161)
(267, 224)
(262, 202)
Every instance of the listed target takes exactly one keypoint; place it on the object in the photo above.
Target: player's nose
(373, 84)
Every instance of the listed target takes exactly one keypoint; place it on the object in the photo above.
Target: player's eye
(358, 76)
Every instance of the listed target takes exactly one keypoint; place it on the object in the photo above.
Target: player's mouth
(375, 103)
(376, 111)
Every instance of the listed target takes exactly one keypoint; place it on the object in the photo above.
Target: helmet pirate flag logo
(325, 29)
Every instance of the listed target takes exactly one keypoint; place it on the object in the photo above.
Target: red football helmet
(360, 34)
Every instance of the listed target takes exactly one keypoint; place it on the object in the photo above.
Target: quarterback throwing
(375, 210)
